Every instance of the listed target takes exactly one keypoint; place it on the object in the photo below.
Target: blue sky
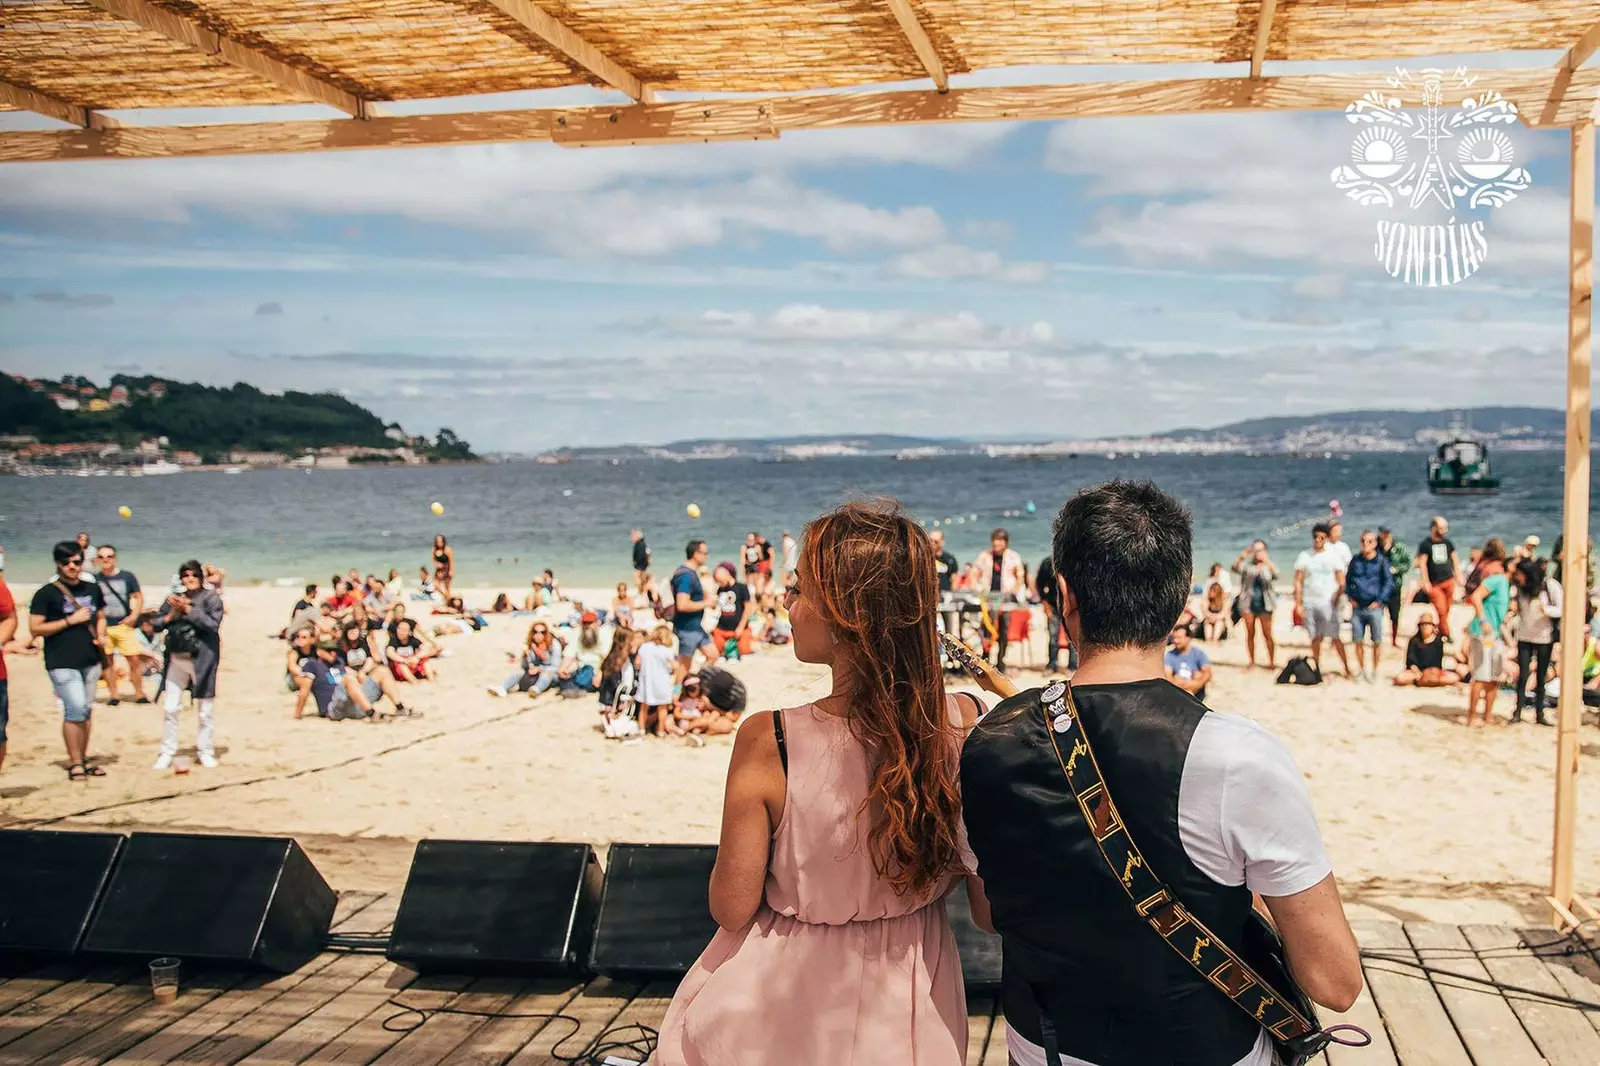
(1067, 279)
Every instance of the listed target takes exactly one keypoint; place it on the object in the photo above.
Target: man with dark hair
(690, 602)
(1319, 576)
(1214, 802)
(1399, 563)
(69, 614)
(998, 573)
(641, 560)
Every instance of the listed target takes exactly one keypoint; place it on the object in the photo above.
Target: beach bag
(1237, 613)
(183, 638)
(666, 607)
(1300, 671)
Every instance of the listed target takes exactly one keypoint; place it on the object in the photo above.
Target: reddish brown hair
(868, 571)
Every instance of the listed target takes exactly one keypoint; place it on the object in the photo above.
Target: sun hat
(1532, 541)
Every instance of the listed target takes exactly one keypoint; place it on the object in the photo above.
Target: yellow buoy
(694, 510)
(437, 507)
(125, 511)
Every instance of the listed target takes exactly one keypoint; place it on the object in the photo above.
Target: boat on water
(1460, 467)
(160, 466)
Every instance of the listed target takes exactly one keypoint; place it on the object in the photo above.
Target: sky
(1061, 280)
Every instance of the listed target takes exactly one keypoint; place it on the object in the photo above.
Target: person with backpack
(687, 607)
(69, 615)
(192, 620)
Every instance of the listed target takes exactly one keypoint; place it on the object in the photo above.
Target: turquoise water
(508, 521)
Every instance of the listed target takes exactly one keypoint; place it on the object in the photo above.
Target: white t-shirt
(1342, 550)
(1321, 569)
(1245, 818)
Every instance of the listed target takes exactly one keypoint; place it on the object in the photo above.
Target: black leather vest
(1118, 995)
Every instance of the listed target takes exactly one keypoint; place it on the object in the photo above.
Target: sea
(508, 521)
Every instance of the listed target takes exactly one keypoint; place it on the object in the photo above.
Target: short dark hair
(1322, 527)
(692, 547)
(311, 588)
(106, 548)
(65, 550)
(1000, 534)
(192, 566)
(1125, 549)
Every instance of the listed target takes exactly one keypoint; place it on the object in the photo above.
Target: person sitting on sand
(502, 605)
(456, 607)
(1215, 626)
(1186, 665)
(536, 597)
(302, 646)
(622, 606)
(356, 649)
(585, 649)
(552, 587)
(539, 665)
(425, 589)
(339, 693)
(655, 686)
(409, 654)
(778, 630)
(343, 599)
(1425, 660)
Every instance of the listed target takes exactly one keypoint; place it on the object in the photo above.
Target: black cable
(593, 1053)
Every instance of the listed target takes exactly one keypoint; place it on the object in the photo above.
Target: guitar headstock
(985, 675)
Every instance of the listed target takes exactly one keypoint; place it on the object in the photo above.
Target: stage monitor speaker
(242, 901)
(486, 907)
(50, 883)
(979, 951)
(655, 910)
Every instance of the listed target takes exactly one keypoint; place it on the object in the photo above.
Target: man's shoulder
(1230, 744)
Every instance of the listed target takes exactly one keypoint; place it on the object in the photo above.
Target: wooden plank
(294, 1024)
(1562, 1034)
(524, 1018)
(594, 1008)
(438, 1038)
(122, 1018)
(1364, 1013)
(243, 1009)
(1582, 48)
(917, 37)
(1419, 1027)
(1258, 54)
(981, 1009)
(35, 983)
(1488, 1027)
(26, 99)
(994, 1053)
(185, 30)
(1576, 971)
(60, 1001)
(368, 1037)
(627, 1038)
(756, 117)
(1574, 502)
(559, 36)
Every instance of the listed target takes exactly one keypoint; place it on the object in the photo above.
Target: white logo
(1403, 160)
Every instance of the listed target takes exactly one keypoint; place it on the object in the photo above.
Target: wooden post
(1575, 508)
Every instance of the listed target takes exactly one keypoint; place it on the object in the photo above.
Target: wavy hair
(868, 570)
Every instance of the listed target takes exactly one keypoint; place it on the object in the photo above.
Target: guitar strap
(1152, 900)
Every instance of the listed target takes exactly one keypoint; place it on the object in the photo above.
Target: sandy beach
(1424, 818)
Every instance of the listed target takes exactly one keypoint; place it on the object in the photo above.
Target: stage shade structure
(502, 908)
(50, 884)
(255, 902)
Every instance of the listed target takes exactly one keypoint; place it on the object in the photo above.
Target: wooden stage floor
(334, 1009)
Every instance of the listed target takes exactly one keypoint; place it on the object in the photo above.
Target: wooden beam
(20, 96)
(917, 37)
(1568, 65)
(555, 33)
(185, 30)
(760, 117)
(1263, 30)
(1575, 513)
(1582, 49)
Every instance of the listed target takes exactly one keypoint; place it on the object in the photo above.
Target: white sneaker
(208, 760)
(163, 762)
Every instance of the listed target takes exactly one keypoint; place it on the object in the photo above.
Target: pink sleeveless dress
(835, 969)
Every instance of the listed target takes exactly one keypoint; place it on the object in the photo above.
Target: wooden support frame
(1575, 520)
(917, 37)
(1258, 54)
(1566, 68)
(188, 31)
(557, 35)
(763, 117)
(20, 96)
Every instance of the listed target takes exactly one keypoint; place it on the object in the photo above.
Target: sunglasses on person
(76, 560)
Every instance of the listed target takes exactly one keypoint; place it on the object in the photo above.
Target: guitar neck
(987, 677)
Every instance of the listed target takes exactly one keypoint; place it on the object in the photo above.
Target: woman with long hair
(444, 565)
(1256, 599)
(1489, 595)
(841, 831)
(1535, 623)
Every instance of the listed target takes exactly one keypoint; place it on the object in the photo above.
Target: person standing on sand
(1368, 584)
(1438, 565)
(124, 601)
(690, 603)
(69, 615)
(1535, 617)
(1215, 802)
(1490, 601)
(641, 560)
(1399, 566)
(192, 621)
(8, 630)
(444, 565)
(841, 832)
(1318, 582)
(1257, 599)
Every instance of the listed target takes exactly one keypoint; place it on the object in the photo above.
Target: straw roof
(72, 59)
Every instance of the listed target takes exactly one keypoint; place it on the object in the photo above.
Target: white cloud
(945, 261)
(811, 324)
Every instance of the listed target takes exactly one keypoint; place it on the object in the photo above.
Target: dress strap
(783, 744)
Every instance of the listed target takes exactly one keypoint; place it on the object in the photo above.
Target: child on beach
(656, 657)
(622, 606)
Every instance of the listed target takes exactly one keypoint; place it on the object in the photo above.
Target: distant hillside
(811, 446)
(1498, 422)
(201, 418)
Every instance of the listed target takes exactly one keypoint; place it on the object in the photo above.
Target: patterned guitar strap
(1151, 898)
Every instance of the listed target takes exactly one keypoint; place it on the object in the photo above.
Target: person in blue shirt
(690, 602)
(1368, 584)
(1187, 666)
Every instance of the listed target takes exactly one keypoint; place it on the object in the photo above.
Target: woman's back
(821, 870)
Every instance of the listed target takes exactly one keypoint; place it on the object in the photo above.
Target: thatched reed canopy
(73, 60)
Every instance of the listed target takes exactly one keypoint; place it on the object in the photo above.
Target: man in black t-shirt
(641, 561)
(947, 566)
(1048, 589)
(733, 613)
(1438, 565)
(69, 614)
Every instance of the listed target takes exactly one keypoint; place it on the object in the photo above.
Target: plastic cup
(180, 764)
(164, 979)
